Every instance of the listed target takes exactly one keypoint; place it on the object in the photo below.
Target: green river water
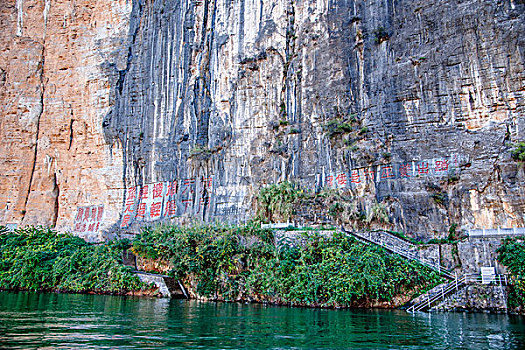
(69, 321)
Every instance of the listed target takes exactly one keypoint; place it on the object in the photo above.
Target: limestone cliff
(181, 109)
(57, 77)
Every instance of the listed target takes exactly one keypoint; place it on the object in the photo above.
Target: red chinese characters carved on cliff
(88, 219)
(355, 177)
(167, 199)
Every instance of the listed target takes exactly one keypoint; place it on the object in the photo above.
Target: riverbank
(322, 269)
(40, 259)
(222, 263)
(244, 263)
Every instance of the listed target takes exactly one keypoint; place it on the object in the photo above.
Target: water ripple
(62, 321)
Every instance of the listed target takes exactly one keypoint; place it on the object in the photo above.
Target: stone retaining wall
(476, 297)
(469, 256)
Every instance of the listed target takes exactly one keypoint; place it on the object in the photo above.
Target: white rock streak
(20, 20)
(46, 12)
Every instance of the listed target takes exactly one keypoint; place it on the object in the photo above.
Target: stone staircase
(168, 286)
(438, 294)
(402, 247)
(411, 251)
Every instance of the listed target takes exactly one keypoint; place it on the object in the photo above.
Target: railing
(279, 225)
(440, 294)
(498, 279)
(403, 252)
(482, 232)
(452, 287)
(416, 257)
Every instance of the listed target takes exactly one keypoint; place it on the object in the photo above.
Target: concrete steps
(440, 293)
(169, 287)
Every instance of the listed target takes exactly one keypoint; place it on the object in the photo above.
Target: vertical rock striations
(409, 107)
(57, 82)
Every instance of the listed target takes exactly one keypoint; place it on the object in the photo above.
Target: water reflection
(31, 320)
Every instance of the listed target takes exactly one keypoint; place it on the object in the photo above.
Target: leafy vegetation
(335, 210)
(437, 241)
(303, 229)
(518, 152)
(452, 233)
(511, 253)
(243, 263)
(440, 198)
(380, 35)
(41, 259)
(451, 239)
(405, 237)
(337, 126)
(378, 213)
(201, 152)
(279, 147)
(276, 201)
(452, 176)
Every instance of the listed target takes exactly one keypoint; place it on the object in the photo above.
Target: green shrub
(452, 177)
(511, 253)
(337, 126)
(363, 130)
(380, 35)
(452, 234)
(279, 147)
(335, 210)
(276, 201)
(201, 152)
(405, 237)
(41, 259)
(378, 213)
(242, 263)
(440, 198)
(518, 152)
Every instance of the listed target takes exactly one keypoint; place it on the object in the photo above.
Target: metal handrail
(440, 294)
(411, 256)
(499, 278)
(483, 232)
(453, 286)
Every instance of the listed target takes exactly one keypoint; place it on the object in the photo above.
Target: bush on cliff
(275, 202)
(41, 259)
(518, 151)
(242, 263)
(511, 253)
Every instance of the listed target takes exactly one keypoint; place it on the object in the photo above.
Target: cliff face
(57, 77)
(406, 107)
